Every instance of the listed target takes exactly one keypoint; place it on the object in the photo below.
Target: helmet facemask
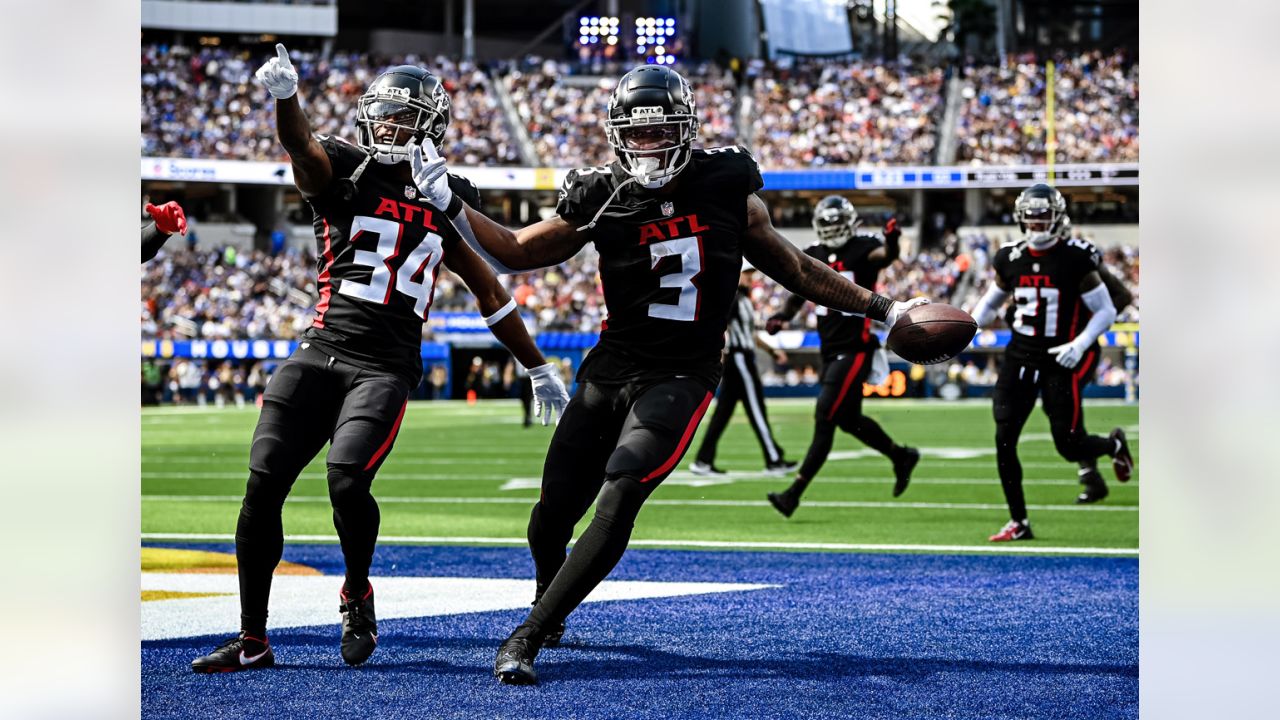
(834, 224)
(652, 147)
(389, 118)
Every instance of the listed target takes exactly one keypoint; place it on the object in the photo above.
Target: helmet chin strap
(644, 169)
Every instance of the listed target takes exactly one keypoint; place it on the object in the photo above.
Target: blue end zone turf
(847, 635)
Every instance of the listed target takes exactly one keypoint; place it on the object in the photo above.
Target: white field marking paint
(300, 601)
(995, 549)
(675, 479)
(391, 500)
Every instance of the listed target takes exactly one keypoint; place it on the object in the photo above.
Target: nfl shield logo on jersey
(668, 208)
(410, 192)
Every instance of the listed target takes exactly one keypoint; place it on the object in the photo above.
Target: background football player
(741, 383)
(849, 348)
(672, 225)
(1054, 280)
(380, 246)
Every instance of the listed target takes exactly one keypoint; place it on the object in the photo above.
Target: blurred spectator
(1096, 111)
(813, 112)
(203, 102)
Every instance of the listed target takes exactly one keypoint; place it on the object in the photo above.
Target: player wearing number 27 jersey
(1055, 286)
(672, 225)
(380, 246)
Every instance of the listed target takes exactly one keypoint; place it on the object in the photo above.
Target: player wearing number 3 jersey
(379, 247)
(672, 225)
(1054, 283)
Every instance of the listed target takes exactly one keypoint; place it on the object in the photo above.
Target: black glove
(774, 324)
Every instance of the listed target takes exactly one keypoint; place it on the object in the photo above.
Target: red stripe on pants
(848, 380)
(386, 444)
(684, 441)
(1075, 386)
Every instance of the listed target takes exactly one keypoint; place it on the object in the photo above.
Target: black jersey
(669, 264)
(841, 333)
(1047, 310)
(378, 253)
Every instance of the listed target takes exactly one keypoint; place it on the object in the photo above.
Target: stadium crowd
(201, 102)
(813, 113)
(1096, 111)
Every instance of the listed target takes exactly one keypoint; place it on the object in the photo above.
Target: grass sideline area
(468, 475)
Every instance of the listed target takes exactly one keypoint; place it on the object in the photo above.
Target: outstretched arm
(504, 322)
(542, 244)
(884, 255)
(776, 257)
(312, 170)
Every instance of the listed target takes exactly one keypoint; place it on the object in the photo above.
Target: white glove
(430, 174)
(1068, 354)
(549, 395)
(898, 308)
(278, 75)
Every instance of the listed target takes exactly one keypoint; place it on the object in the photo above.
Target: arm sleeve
(152, 240)
(985, 311)
(1098, 300)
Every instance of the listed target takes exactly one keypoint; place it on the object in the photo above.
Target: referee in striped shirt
(741, 382)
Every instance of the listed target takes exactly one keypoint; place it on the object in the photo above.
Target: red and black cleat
(242, 652)
(1121, 461)
(1013, 530)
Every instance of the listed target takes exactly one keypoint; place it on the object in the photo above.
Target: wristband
(879, 308)
(502, 312)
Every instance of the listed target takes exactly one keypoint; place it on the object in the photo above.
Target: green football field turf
(469, 475)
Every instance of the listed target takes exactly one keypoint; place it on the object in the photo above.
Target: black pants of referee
(741, 383)
(312, 399)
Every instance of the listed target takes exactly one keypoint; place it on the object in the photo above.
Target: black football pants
(840, 406)
(311, 399)
(741, 382)
(1015, 393)
(613, 446)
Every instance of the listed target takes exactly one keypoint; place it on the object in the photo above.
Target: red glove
(891, 230)
(169, 217)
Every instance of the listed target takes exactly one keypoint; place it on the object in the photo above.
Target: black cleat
(1095, 488)
(359, 627)
(514, 664)
(782, 467)
(902, 467)
(1121, 461)
(239, 653)
(701, 468)
(784, 503)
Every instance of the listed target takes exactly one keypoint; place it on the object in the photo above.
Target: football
(931, 333)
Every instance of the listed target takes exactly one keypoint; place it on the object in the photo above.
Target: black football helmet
(835, 219)
(403, 103)
(652, 124)
(1041, 214)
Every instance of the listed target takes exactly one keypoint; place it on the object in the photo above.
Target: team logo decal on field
(194, 593)
(668, 208)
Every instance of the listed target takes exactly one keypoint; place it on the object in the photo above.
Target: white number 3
(690, 255)
(420, 262)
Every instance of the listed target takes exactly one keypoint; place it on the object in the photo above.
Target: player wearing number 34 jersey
(672, 225)
(379, 247)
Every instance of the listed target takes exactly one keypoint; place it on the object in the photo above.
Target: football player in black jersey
(1055, 283)
(848, 347)
(380, 247)
(672, 225)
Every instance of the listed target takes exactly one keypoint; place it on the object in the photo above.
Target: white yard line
(663, 501)
(710, 544)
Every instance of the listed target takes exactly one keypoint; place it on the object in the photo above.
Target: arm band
(505, 310)
(879, 308)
